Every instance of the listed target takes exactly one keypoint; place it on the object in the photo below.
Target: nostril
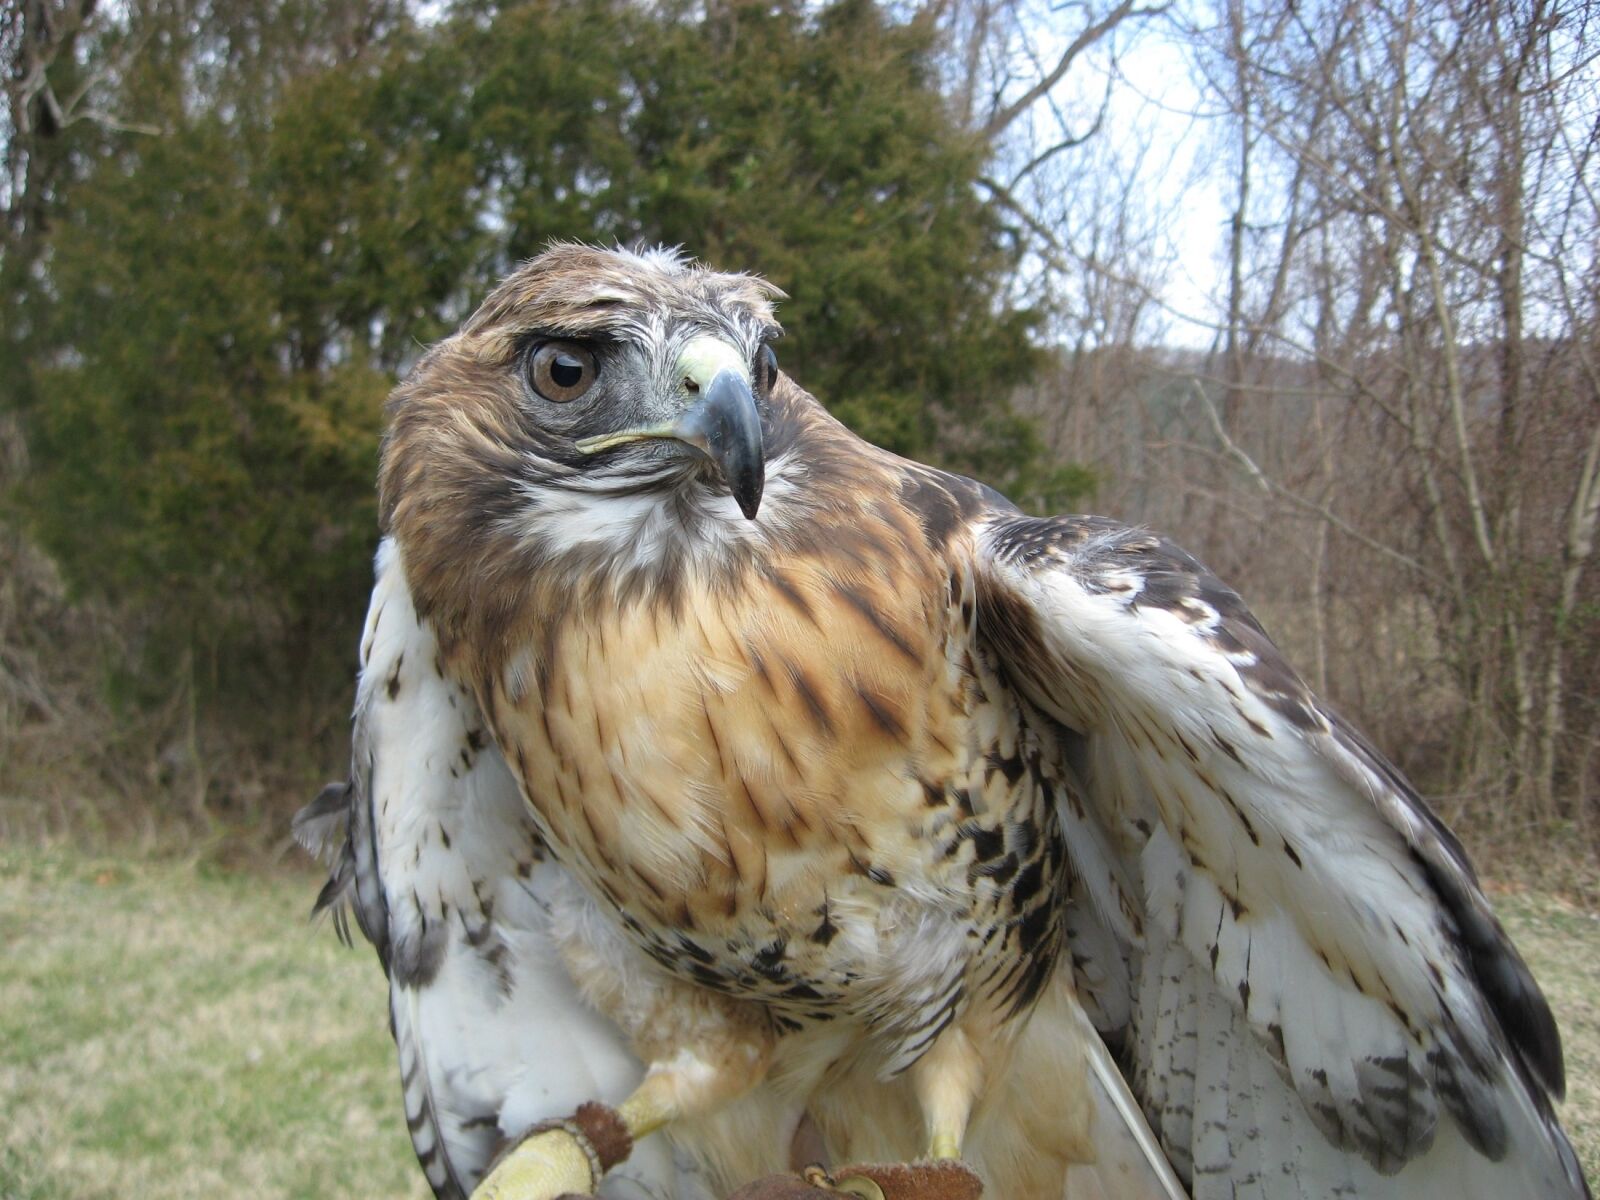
(689, 385)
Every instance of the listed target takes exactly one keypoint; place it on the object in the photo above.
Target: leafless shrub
(1393, 444)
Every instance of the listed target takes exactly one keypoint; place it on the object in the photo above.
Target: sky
(1156, 122)
(1162, 94)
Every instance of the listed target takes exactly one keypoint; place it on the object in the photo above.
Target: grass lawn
(168, 1031)
(1562, 946)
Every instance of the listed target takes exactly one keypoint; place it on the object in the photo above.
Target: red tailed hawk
(808, 802)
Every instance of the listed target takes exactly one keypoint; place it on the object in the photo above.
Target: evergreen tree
(222, 308)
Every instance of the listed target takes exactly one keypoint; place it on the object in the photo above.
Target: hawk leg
(704, 1050)
(947, 1080)
(556, 1158)
(571, 1156)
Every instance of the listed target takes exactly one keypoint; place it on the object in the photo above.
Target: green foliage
(223, 307)
(820, 154)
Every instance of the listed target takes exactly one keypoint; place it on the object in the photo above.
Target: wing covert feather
(1309, 923)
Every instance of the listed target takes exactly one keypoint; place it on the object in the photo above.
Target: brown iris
(562, 371)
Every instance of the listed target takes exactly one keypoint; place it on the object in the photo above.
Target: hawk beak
(722, 422)
(725, 425)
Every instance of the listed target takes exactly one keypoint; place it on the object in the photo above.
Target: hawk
(716, 765)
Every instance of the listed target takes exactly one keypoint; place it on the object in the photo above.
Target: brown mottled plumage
(733, 795)
(866, 795)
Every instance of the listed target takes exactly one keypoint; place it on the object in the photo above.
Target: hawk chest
(721, 750)
(772, 785)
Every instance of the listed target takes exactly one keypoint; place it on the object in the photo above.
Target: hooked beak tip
(726, 426)
(749, 504)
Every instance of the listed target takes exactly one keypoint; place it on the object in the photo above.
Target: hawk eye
(562, 371)
(767, 368)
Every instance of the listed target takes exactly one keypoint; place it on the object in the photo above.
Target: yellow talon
(945, 1145)
(649, 1108)
(547, 1165)
(854, 1185)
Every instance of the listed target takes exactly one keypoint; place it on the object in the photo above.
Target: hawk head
(600, 406)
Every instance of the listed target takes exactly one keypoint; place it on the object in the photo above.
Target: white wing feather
(1129, 1163)
(1324, 1001)
(451, 885)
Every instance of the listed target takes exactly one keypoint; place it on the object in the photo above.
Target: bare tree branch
(1272, 488)
(1002, 120)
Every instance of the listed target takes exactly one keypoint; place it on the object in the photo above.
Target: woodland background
(229, 225)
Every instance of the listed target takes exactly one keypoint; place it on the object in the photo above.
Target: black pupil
(566, 371)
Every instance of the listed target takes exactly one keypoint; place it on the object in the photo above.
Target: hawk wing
(1289, 918)
(433, 848)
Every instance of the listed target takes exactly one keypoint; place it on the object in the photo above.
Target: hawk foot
(946, 1179)
(559, 1158)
